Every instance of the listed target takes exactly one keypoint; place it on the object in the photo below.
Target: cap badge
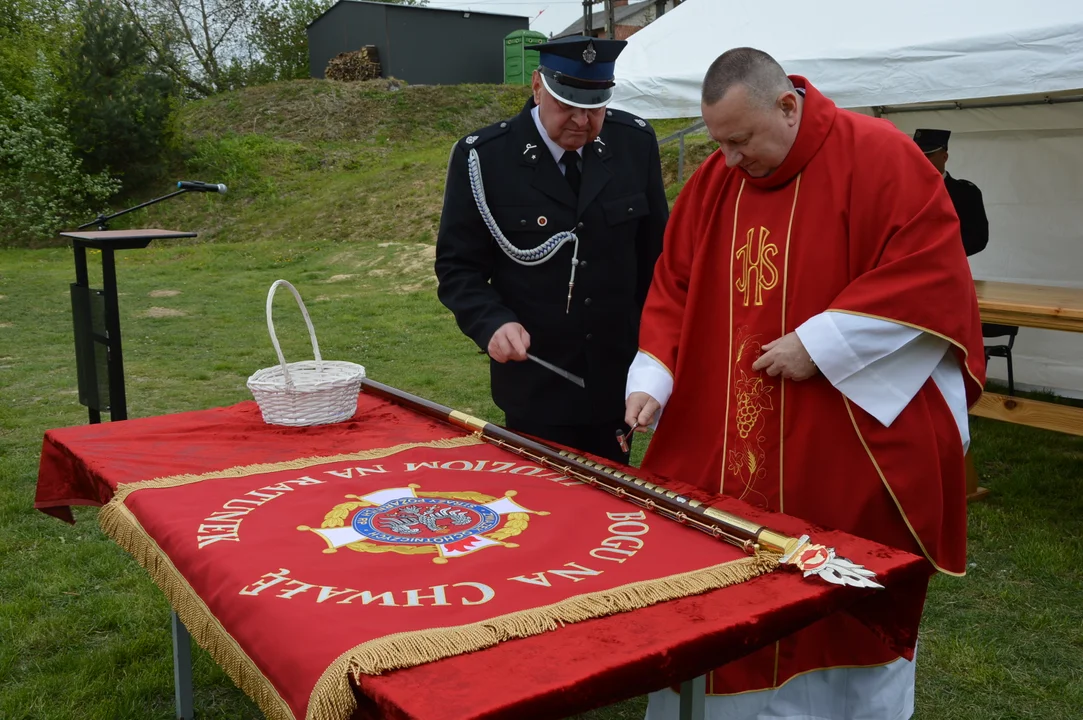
(542, 221)
(590, 53)
(640, 123)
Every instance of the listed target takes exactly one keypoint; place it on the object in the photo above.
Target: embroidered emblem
(403, 521)
(746, 459)
(542, 221)
(753, 397)
(590, 53)
(640, 123)
(755, 257)
(533, 157)
(599, 140)
(471, 140)
(530, 147)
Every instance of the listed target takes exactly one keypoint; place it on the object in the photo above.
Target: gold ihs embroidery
(758, 273)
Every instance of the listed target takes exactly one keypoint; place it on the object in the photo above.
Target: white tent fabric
(860, 53)
(1028, 162)
(993, 56)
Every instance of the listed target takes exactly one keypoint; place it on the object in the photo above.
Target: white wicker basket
(313, 392)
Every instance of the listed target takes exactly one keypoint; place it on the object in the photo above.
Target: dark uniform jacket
(966, 197)
(619, 217)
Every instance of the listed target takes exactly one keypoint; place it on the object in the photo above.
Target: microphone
(197, 186)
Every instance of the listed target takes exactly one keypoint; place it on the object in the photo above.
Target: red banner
(390, 557)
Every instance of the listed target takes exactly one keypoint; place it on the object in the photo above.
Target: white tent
(1005, 77)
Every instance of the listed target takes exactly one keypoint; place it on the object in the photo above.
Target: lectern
(99, 361)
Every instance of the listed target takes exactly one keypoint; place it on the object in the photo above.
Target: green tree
(119, 100)
(27, 28)
(42, 183)
(203, 43)
(279, 36)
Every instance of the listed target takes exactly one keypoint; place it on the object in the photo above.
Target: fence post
(680, 161)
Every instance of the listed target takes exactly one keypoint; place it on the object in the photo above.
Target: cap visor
(577, 97)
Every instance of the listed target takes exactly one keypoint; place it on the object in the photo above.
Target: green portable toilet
(519, 63)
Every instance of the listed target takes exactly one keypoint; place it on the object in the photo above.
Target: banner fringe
(118, 523)
(333, 698)
(414, 648)
(127, 489)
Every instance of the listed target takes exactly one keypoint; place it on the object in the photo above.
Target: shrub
(43, 187)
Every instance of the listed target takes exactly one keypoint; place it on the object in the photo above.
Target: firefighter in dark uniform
(551, 226)
(965, 195)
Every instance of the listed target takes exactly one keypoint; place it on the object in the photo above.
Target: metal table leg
(693, 699)
(182, 669)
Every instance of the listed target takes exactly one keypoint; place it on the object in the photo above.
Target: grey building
(421, 45)
(628, 18)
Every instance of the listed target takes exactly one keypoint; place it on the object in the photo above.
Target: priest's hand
(509, 342)
(786, 357)
(640, 409)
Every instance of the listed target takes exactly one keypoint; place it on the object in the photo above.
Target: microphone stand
(99, 360)
(102, 220)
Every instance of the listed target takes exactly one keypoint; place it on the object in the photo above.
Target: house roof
(419, 8)
(620, 15)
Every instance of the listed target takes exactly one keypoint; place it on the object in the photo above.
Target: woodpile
(363, 64)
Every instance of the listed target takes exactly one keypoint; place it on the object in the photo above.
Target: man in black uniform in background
(965, 195)
(551, 226)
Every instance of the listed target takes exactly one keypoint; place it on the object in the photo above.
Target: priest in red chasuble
(811, 344)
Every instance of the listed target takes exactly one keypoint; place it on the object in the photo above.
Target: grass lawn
(349, 216)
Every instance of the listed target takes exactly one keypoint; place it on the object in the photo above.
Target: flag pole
(810, 558)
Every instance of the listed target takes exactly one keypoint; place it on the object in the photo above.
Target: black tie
(570, 159)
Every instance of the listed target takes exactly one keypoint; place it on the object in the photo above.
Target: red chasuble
(855, 220)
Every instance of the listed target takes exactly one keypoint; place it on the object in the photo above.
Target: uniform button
(522, 222)
(503, 124)
(582, 263)
(579, 226)
(631, 210)
(587, 301)
(589, 336)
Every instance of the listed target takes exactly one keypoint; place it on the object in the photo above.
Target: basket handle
(274, 338)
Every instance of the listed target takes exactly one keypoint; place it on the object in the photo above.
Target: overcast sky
(552, 16)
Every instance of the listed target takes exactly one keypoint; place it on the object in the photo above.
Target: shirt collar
(556, 150)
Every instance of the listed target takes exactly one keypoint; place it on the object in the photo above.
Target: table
(1035, 306)
(551, 675)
